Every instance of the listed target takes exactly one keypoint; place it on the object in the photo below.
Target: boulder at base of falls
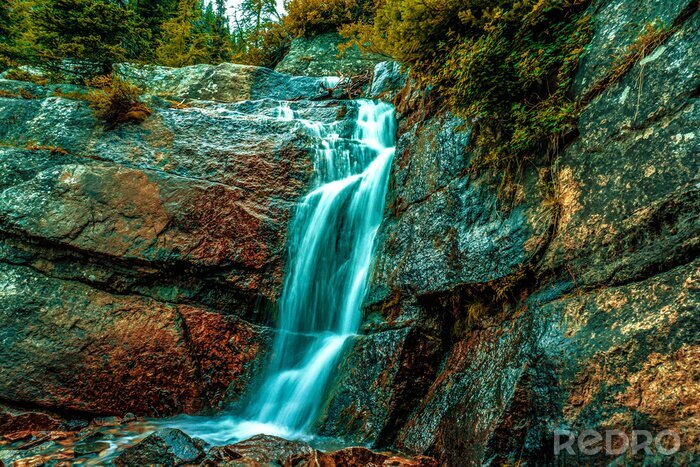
(358, 457)
(275, 451)
(260, 449)
(166, 447)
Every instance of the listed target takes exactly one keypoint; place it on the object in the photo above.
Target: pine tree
(261, 39)
(5, 21)
(8, 29)
(94, 34)
(220, 33)
(151, 15)
(183, 42)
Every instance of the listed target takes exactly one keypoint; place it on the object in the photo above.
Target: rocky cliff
(491, 325)
(141, 266)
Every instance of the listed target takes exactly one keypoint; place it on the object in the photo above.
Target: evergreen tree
(220, 33)
(94, 34)
(5, 21)
(8, 32)
(151, 15)
(183, 41)
(261, 39)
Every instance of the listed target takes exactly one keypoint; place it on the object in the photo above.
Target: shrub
(8, 95)
(265, 48)
(19, 74)
(507, 66)
(24, 94)
(116, 101)
(312, 17)
(92, 34)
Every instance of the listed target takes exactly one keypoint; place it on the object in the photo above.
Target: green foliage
(151, 15)
(266, 47)
(312, 17)
(195, 35)
(259, 36)
(85, 38)
(217, 28)
(12, 13)
(505, 65)
(116, 101)
(19, 74)
(182, 43)
(5, 18)
(93, 34)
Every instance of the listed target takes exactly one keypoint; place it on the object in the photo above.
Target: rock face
(489, 327)
(140, 266)
(319, 56)
(228, 82)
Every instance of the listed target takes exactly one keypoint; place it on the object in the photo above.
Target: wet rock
(628, 185)
(384, 374)
(387, 80)
(597, 330)
(469, 238)
(228, 82)
(88, 449)
(357, 457)
(166, 241)
(42, 454)
(260, 449)
(14, 420)
(167, 447)
(618, 23)
(81, 348)
(236, 174)
(73, 425)
(319, 56)
(627, 356)
(572, 363)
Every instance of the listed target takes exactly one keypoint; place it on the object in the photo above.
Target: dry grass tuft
(40, 147)
(116, 101)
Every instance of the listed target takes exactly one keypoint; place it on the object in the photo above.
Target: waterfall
(331, 241)
(330, 250)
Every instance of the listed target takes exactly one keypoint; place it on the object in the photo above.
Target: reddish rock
(272, 450)
(69, 346)
(225, 348)
(357, 457)
(13, 421)
(260, 449)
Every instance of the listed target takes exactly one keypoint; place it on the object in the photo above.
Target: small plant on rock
(18, 74)
(116, 101)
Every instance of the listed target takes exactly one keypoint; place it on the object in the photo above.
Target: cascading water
(330, 251)
(331, 244)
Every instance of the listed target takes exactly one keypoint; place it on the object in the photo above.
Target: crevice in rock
(257, 309)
